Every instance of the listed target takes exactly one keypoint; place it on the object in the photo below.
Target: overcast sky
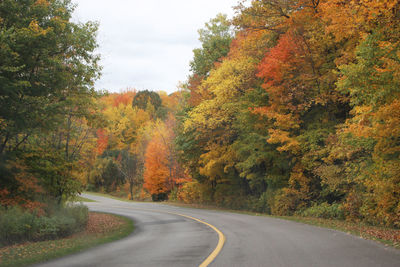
(148, 44)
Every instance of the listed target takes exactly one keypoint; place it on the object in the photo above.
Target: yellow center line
(221, 236)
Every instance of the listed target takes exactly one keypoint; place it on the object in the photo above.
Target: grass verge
(102, 228)
(109, 196)
(82, 199)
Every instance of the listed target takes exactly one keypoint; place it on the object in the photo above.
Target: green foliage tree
(215, 39)
(47, 71)
(106, 174)
(145, 98)
(45, 58)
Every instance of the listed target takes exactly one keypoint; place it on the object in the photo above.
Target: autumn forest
(290, 108)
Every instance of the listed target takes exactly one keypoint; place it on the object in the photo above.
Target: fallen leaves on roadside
(99, 223)
(385, 235)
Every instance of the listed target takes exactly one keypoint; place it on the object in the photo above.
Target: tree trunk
(68, 137)
(131, 188)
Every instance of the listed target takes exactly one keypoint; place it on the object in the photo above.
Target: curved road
(163, 238)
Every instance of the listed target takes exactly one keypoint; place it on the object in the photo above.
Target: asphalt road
(163, 238)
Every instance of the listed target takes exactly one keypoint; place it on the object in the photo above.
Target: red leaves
(124, 98)
(102, 141)
(26, 192)
(277, 59)
(287, 73)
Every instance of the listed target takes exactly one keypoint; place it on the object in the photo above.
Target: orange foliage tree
(162, 171)
(157, 178)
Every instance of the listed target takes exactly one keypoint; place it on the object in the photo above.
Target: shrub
(17, 225)
(325, 210)
(80, 213)
(65, 225)
(91, 187)
(194, 192)
(352, 206)
(285, 202)
(173, 195)
(231, 197)
(159, 197)
(260, 204)
(44, 228)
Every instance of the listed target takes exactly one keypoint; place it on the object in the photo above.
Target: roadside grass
(115, 197)
(387, 236)
(102, 228)
(82, 199)
(109, 196)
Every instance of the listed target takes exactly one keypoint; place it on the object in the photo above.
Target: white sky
(148, 44)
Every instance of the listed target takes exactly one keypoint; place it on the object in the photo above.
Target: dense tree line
(301, 114)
